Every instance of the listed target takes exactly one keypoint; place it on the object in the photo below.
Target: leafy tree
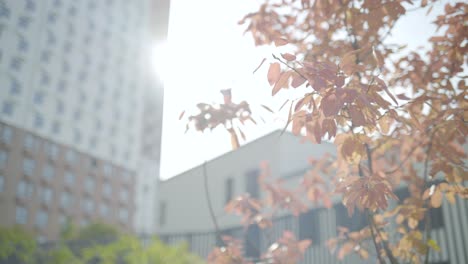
(16, 245)
(97, 243)
(398, 117)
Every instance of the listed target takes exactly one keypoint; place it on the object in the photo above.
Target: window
(16, 63)
(251, 179)
(104, 210)
(52, 150)
(162, 213)
(61, 86)
(4, 11)
(309, 226)
(24, 189)
(3, 159)
(45, 56)
(56, 127)
(77, 136)
(228, 190)
(45, 78)
(46, 195)
(38, 121)
(70, 156)
(88, 205)
(23, 22)
(7, 108)
(107, 189)
(48, 172)
(66, 200)
(30, 142)
(38, 97)
(7, 134)
(123, 215)
(69, 178)
(62, 220)
(107, 170)
(124, 195)
(22, 45)
(15, 87)
(21, 215)
(28, 166)
(89, 184)
(30, 5)
(77, 115)
(52, 18)
(41, 219)
(2, 183)
(60, 107)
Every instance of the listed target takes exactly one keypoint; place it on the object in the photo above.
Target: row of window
(25, 189)
(42, 216)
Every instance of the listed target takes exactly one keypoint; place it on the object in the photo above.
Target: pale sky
(207, 52)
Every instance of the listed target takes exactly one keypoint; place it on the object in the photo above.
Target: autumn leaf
(288, 56)
(181, 115)
(280, 42)
(274, 73)
(331, 105)
(356, 116)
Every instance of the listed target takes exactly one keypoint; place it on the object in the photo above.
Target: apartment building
(74, 76)
(185, 217)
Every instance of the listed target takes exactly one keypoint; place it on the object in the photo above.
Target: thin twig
(210, 206)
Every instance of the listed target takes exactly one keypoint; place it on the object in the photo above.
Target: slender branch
(386, 248)
(427, 223)
(377, 247)
(210, 206)
(290, 67)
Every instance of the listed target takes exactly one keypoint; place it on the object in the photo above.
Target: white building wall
(184, 195)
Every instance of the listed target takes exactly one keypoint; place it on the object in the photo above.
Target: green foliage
(16, 244)
(97, 243)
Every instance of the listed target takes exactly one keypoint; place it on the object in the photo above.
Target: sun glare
(161, 60)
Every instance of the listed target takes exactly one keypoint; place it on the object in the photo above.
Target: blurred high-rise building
(77, 92)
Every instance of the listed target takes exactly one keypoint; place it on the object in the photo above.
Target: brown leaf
(274, 73)
(267, 108)
(297, 80)
(288, 56)
(436, 198)
(280, 42)
(181, 115)
(281, 83)
(357, 116)
(234, 139)
(331, 105)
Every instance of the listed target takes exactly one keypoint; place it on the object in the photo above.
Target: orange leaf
(357, 116)
(297, 81)
(267, 108)
(274, 73)
(234, 139)
(281, 83)
(331, 105)
(436, 198)
(288, 56)
(181, 115)
(280, 42)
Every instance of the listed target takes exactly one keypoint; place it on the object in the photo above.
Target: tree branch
(210, 206)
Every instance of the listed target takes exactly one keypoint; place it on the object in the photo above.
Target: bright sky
(207, 52)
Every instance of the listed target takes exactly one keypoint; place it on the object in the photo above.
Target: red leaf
(297, 81)
(288, 56)
(280, 42)
(281, 83)
(357, 116)
(181, 115)
(331, 105)
(274, 73)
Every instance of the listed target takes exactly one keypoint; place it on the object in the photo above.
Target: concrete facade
(184, 214)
